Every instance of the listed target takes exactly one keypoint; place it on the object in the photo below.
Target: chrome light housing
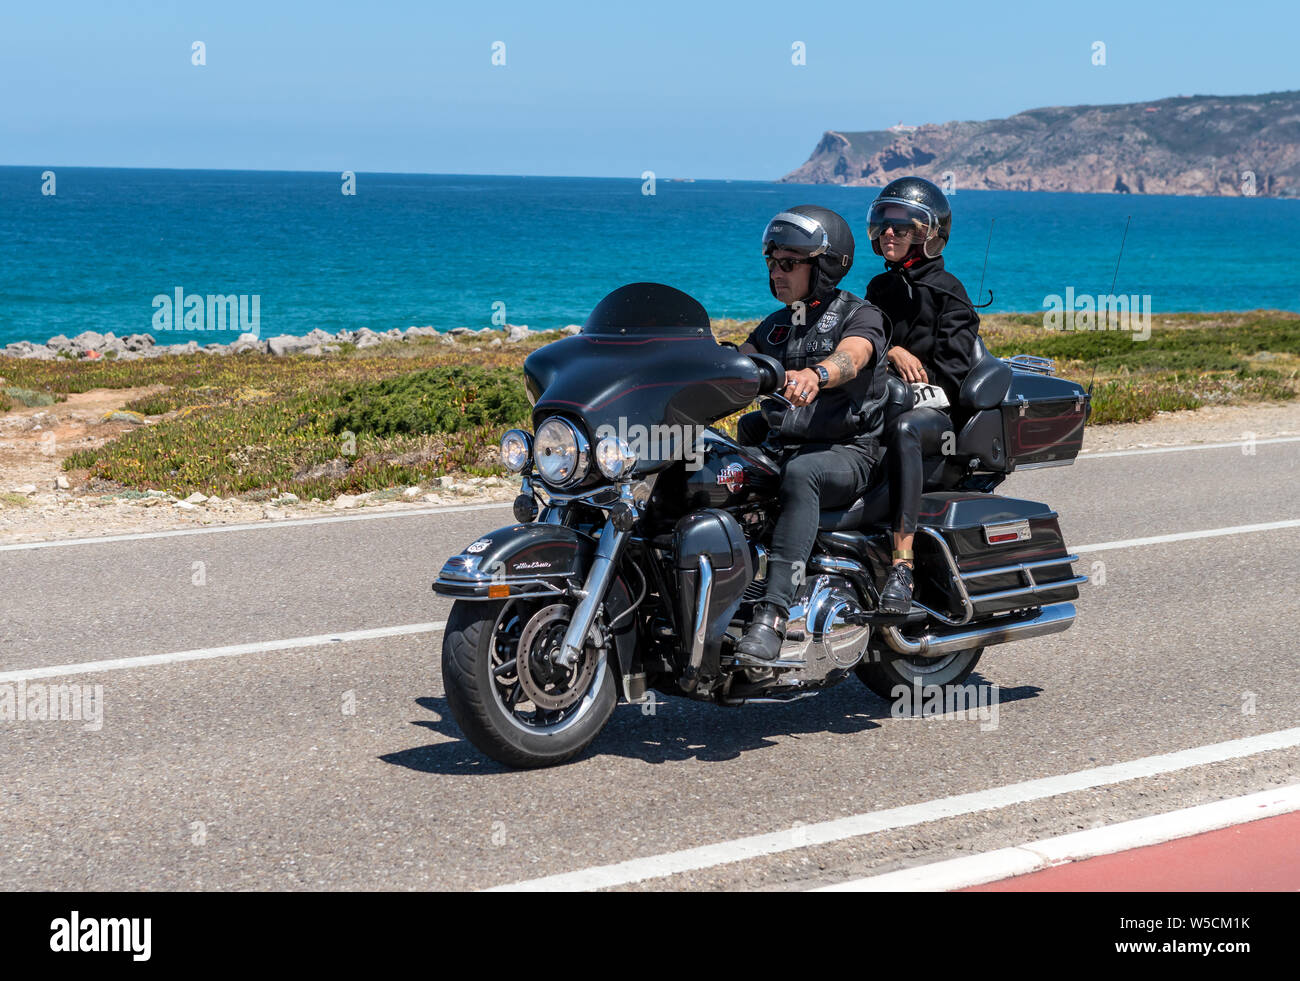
(516, 450)
(614, 457)
(562, 452)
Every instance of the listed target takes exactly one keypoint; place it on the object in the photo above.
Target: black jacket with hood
(931, 316)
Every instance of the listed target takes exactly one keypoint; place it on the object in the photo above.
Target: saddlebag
(1009, 553)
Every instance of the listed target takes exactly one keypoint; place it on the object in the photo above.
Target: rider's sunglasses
(785, 264)
(899, 226)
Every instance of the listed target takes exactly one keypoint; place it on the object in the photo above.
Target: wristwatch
(822, 373)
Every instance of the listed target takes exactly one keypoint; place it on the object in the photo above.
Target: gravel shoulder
(34, 442)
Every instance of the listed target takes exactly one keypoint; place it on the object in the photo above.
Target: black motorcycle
(640, 544)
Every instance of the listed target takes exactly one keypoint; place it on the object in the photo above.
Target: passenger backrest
(898, 397)
(988, 382)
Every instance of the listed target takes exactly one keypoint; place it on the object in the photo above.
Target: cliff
(1203, 145)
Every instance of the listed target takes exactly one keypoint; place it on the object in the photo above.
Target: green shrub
(444, 399)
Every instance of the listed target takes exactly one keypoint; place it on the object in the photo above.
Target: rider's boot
(896, 596)
(765, 633)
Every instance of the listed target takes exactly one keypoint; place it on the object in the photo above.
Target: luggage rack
(1028, 362)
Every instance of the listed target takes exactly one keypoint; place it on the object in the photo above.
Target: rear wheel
(883, 671)
(505, 690)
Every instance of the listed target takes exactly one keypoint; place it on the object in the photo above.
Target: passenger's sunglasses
(785, 264)
(899, 226)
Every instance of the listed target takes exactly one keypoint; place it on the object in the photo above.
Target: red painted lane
(1262, 856)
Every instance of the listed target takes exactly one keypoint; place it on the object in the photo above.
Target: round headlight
(516, 450)
(614, 458)
(561, 452)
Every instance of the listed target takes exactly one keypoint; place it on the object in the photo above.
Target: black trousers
(815, 478)
(915, 434)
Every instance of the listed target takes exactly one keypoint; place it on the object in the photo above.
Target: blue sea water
(451, 250)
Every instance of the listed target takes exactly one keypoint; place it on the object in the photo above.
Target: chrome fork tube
(602, 570)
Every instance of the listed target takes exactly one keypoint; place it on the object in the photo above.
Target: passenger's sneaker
(896, 597)
(765, 633)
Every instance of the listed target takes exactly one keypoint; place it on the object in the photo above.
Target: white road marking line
(259, 647)
(264, 525)
(253, 526)
(1235, 444)
(1034, 856)
(754, 846)
(1184, 536)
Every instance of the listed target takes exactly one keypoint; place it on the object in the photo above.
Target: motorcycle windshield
(647, 368)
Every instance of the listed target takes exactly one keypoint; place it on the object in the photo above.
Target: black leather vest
(852, 413)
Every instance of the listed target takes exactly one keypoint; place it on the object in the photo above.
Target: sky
(604, 89)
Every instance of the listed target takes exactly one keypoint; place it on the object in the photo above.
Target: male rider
(832, 345)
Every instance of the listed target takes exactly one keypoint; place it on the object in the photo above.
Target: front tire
(492, 704)
(884, 670)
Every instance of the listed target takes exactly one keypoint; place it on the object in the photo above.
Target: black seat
(979, 418)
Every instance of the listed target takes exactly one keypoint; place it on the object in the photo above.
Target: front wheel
(506, 692)
(883, 671)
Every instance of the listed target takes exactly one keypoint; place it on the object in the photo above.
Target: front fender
(518, 559)
(540, 560)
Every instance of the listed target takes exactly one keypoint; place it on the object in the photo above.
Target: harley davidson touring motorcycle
(635, 562)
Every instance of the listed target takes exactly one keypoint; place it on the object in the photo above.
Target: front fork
(593, 593)
(622, 518)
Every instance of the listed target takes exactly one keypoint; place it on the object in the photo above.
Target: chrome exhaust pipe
(1051, 619)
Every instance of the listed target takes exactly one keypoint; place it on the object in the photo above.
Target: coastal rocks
(26, 349)
(316, 343)
(289, 344)
(571, 329)
(248, 342)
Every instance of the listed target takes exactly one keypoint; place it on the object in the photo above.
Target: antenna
(1121, 255)
(980, 292)
(1114, 280)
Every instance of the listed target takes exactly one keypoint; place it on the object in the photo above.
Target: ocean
(450, 251)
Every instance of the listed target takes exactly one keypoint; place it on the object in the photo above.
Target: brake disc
(539, 644)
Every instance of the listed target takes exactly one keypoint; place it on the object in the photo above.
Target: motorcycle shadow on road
(673, 730)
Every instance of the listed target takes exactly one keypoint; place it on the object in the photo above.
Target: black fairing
(646, 357)
(718, 535)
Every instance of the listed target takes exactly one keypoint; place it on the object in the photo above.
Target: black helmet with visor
(915, 207)
(815, 232)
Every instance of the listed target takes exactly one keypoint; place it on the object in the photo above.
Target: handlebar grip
(771, 373)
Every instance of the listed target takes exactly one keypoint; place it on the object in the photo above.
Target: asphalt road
(336, 765)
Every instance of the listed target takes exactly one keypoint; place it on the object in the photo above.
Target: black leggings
(916, 433)
(817, 477)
